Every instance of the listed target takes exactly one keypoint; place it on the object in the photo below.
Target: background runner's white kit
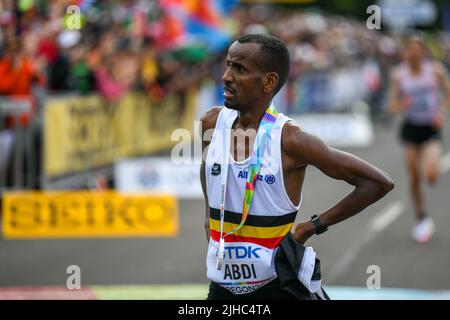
(423, 92)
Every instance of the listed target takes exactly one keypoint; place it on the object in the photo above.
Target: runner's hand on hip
(303, 231)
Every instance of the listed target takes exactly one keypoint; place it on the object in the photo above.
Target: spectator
(117, 75)
(81, 79)
(19, 70)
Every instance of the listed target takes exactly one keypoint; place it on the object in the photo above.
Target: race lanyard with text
(265, 126)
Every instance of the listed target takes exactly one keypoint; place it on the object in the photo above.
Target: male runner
(246, 266)
(415, 91)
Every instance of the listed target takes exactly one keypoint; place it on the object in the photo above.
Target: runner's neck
(415, 68)
(249, 119)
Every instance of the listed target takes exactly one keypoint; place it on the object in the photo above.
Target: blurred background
(91, 93)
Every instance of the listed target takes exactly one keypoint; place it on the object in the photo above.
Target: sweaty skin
(249, 90)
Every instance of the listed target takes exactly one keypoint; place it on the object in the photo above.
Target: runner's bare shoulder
(303, 147)
(209, 118)
(294, 140)
(208, 123)
(439, 68)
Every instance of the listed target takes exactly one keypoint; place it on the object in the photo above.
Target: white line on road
(377, 224)
(384, 218)
(349, 255)
(445, 163)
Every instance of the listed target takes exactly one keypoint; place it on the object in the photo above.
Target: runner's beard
(231, 105)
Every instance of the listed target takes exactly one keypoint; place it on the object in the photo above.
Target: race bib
(246, 266)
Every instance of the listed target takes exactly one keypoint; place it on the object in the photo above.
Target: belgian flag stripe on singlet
(249, 231)
(270, 243)
(254, 220)
(266, 231)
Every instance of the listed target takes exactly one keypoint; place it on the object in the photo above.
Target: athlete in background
(420, 91)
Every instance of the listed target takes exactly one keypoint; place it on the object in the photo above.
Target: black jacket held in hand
(297, 268)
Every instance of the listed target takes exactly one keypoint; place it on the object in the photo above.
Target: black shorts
(270, 291)
(419, 134)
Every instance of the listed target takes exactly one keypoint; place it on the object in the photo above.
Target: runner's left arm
(444, 80)
(371, 183)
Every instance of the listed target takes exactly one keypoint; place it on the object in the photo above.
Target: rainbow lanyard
(265, 126)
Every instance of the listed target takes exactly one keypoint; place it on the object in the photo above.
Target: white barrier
(158, 174)
(339, 130)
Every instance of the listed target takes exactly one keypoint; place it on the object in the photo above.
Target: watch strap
(318, 225)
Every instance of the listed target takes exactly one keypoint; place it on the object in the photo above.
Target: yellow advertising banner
(84, 214)
(81, 133)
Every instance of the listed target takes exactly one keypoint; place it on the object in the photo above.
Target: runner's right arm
(395, 104)
(207, 125)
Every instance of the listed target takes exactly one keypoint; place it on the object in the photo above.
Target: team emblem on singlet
(215, 170)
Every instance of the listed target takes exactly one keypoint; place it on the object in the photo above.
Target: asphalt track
(175, 267)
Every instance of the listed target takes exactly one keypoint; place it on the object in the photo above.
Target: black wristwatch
(319, 227)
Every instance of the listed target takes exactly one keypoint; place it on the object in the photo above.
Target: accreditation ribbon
(265, 127)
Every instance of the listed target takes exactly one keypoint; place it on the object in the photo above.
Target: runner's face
(243, 78)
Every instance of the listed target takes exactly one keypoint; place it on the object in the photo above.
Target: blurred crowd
(125, 45)
(118, 48)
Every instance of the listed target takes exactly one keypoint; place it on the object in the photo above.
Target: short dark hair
(274, 55)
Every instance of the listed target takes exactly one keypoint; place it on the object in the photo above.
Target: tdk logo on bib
(268, 178)
(241, 252)
(215, 170)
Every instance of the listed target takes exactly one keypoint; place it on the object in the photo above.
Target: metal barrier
(16, 145)
(21, 167)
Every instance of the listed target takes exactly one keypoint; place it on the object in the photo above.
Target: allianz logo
(268, 178)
